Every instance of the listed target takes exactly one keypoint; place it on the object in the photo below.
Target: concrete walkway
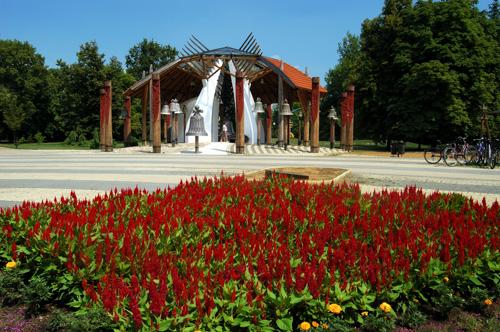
(225, 148)
(39, 175)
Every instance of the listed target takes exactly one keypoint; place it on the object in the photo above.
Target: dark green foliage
(442, 300)
(65, 100)
(39, 138)
(346, 72)
(11, 282)
(425, 70)
(475, 300)
(77, 87)
(412, 317)
(36, 294)
(148, 53)
(23, 92)
(378, 323)
(94, 319)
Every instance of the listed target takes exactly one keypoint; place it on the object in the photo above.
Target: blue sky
(304, 33)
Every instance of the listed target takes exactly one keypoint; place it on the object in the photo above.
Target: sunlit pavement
(39, 175)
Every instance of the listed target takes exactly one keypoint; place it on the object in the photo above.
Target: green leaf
(475, 280)
(295, 299)
(285, 324)
(271, 295)
(165, 325)
(283, 293)
(245, 324)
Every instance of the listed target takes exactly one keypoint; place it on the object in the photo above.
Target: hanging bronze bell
(196, 125)
(285, 109)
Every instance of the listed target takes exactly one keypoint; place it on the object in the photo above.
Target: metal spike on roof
(194, 46)
(197, 41)
(250, 45)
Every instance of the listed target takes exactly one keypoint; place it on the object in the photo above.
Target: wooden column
(343, 123)
(280, 106)
(240, 122)
(304, 104)
(156, 113)
(350, 120)
(108, 117)
(102, 124)
(127, 129)
(269, 124)
(150, 108)
(315, 115)
(332, 134)
(144, 123)
(166, 124)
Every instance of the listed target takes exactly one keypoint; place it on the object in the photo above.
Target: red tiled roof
(299, 78)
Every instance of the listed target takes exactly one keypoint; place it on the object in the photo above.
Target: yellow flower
(364, 313)
(315, 324)
(325, 326)
(488, 302)
(385, 307)
(334, 308)
(304, 326)
(11, 265)
(446, 279)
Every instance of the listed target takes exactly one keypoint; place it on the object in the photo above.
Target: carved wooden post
(108, 141)
(156, 115)
(144, 122)
(240, 120)
(304, 104)
(269, 124)
(166, 125)
(350, 120)
(102, 124)
(315, 115)
(280, 106)
(343, 123)
(332, 133)
(126, 122)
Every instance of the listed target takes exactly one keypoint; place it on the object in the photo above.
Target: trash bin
(397, 148)
(393, 148)
(400, 148)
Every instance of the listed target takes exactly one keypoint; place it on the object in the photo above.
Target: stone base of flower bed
(310, 174)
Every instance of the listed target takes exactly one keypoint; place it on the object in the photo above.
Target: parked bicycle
(434, 154)
(458, 152)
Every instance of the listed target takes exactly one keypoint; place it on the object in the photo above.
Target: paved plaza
(44, 174)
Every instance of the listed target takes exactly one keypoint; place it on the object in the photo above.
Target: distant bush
(39, 138)
(72, 138)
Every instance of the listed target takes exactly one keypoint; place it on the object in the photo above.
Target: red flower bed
(184, 255)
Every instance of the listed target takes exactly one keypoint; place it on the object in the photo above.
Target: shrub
(36, 294)
(133, 141)
(39, 138)
(94, 143)
(93, 319)
(11, 282)
(412, 317)
(378, 323)
(72, 138)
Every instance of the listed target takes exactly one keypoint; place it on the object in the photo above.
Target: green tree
(12, 115)
(346, 72)
(24, 76)
(78, 88)
(426, 69)
(146, 53)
